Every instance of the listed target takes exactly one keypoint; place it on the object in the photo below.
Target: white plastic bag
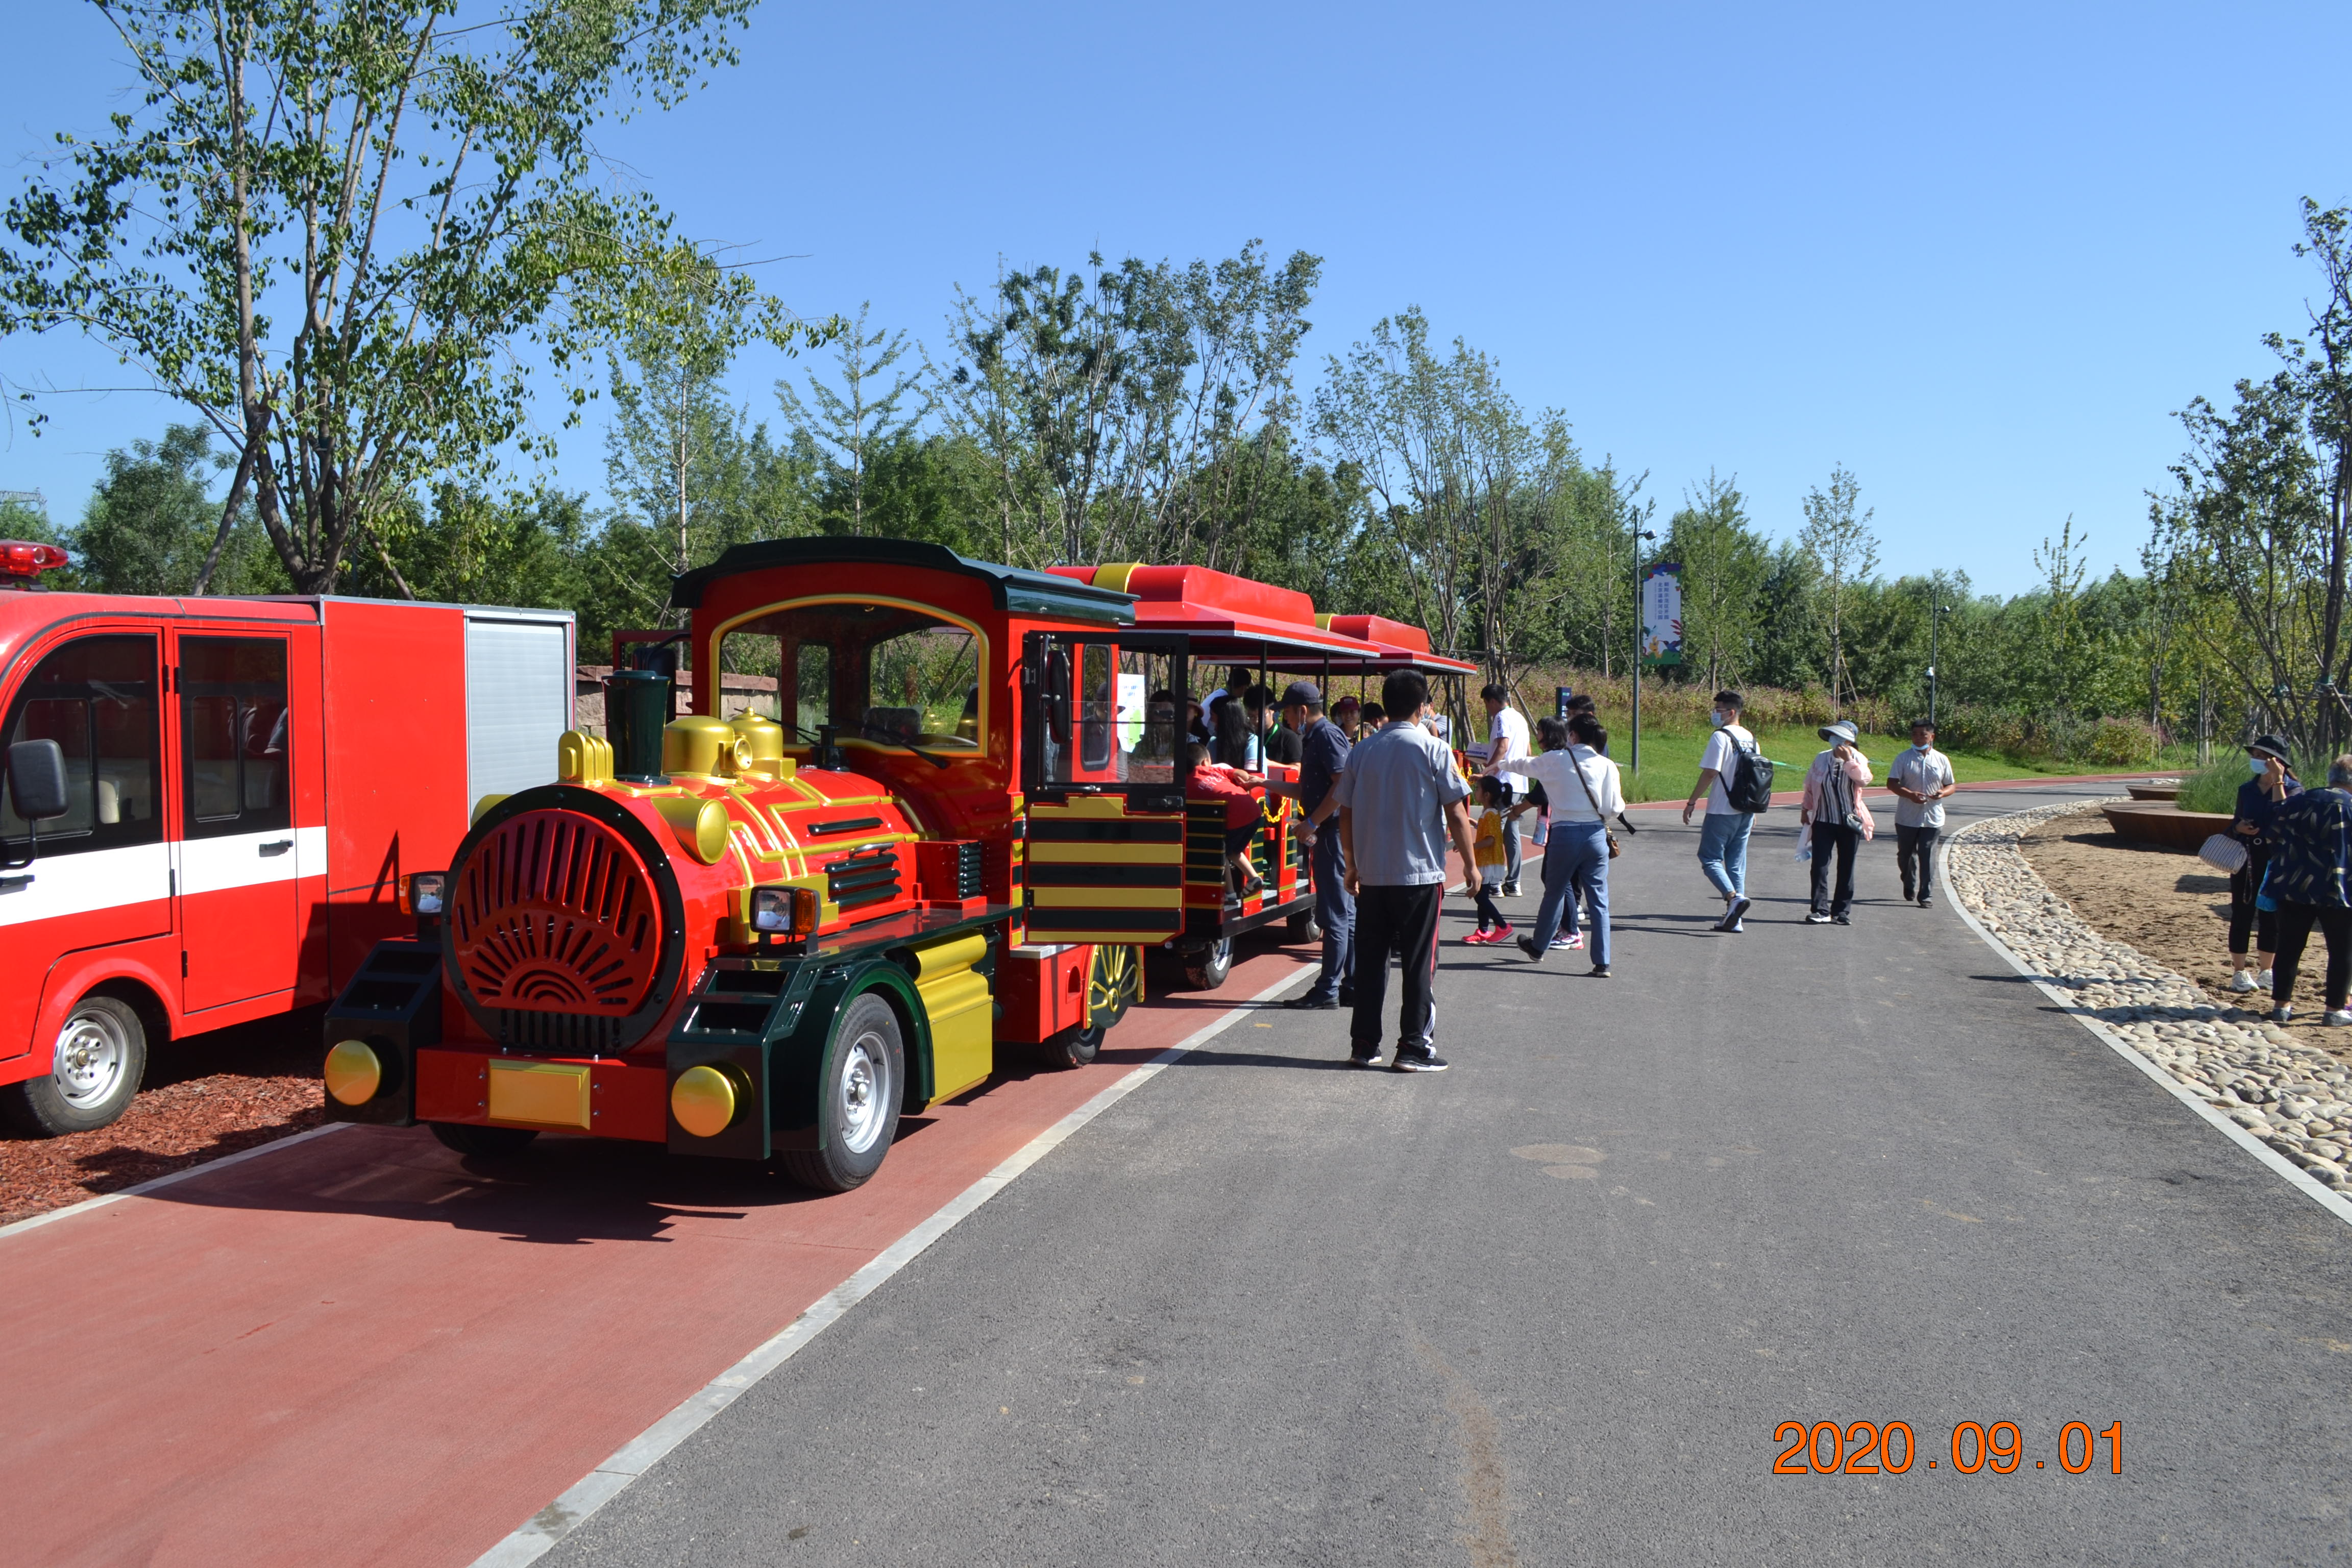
(1804, 847)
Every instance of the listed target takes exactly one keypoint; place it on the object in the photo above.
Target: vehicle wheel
(1302, 927)
(857, 1100)
(1073, 1048)
(1114, 984)
(102, 1055)
(1206, 969)
(483, 1142)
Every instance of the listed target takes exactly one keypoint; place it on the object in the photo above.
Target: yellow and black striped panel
(1098, 874)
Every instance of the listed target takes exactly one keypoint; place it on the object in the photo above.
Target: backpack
(1749, 788)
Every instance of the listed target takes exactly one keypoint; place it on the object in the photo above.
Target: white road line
(206, 1169)
(2296, 1177)
(641, 1453)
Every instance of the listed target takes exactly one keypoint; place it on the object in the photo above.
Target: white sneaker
(2341, 1018)
(2242, 982)
(2263, 979)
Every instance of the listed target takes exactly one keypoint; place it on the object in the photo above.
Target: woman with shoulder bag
(1585, 791)
(1840, 821)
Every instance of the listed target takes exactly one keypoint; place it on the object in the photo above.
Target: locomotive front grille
(557, 1034)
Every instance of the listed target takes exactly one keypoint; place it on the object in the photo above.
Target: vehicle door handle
(277, 846)
(10, 884)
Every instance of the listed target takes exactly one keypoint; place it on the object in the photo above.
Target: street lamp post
(1935, 613)
(1639, 535)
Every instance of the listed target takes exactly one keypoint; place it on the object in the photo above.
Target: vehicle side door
(238, 870)
(101, 873)
(1104, 775)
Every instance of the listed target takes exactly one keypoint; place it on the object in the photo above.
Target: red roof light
(21, 559)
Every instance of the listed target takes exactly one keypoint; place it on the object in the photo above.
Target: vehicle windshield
(883, 674)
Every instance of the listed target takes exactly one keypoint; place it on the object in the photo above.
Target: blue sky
(1979, 257)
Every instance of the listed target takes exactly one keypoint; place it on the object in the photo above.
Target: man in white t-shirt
(1920, 778)
(1507, 743)
(1723, 836)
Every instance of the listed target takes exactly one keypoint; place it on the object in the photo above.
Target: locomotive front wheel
(1114, 983)
(1206, 968)
(483, 1142)
(1302, 926)
(857, 1100)
(101, 1055)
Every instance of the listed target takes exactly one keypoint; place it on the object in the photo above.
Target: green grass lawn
(1670, 760)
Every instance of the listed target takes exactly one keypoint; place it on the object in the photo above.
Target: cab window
(882, 674)
(234, 747)
(95, 697)
(1103, 714)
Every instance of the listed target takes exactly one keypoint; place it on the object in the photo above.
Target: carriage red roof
(1210, 605)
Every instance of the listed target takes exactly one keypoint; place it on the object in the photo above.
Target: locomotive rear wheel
(1302, 926)
(1114, 984)
(482, 1143)
(101, 1055)
(858, 1096)
(1206, 968)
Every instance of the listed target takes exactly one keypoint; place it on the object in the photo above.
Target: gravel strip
(2297, 1099)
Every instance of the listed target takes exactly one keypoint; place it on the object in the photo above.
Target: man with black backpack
(1737, 783)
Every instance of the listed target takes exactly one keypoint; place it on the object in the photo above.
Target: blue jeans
(1576, 864)
(1723, 851)
(1335, 911)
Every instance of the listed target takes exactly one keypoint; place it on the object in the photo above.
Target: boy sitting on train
(1208, 780)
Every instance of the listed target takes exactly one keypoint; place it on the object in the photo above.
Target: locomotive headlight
(354, 1072)
(784, 912)
(421, 892)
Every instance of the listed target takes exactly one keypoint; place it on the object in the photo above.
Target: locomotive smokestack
(636, 706)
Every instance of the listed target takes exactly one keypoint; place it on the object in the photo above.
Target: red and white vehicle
(232, 786)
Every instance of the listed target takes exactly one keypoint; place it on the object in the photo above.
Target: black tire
(1205, 969)
(102, 1055)
(858, 1092)
(1073, 1048)
(483, 1142)
(1302, 927)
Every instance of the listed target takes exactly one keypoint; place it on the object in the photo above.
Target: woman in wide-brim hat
(2272, 786)
(1840, 821)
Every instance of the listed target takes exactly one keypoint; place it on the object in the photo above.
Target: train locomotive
(946, 819)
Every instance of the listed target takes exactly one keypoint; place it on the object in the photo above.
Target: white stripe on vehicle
(55, 886)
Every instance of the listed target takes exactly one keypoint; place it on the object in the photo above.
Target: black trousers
(1833, 838)
(2246, 920)
(1916, 844)
(2295, 923)
(1402, 921)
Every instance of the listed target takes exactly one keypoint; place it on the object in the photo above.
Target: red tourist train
(210, 803)
(923, 807)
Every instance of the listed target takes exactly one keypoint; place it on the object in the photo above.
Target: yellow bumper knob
(703, 1099)
(354, 1073)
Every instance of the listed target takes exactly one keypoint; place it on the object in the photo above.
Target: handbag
(1615, 849)
(2223, 853)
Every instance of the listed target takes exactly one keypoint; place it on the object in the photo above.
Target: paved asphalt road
(1271, 1309)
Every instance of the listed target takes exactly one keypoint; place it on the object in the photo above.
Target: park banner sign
(1662, 614)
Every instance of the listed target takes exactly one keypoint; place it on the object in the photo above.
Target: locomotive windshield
(886, 674)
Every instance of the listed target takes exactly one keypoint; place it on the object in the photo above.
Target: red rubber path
(357, 1352)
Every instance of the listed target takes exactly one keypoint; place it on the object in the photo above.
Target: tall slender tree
(1837, 540)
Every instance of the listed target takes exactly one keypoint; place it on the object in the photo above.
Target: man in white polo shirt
(1507, 743)
(1398, 800)
(1920, 778)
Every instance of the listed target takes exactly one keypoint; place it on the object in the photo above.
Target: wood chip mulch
(206, 1096)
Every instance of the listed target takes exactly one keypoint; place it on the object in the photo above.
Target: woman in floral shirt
(2311, 835)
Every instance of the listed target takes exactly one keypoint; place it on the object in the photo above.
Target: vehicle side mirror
(36, 779)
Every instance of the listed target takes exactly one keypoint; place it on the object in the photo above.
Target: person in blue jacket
(2273, 783)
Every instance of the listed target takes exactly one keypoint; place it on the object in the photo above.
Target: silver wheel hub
(865, 1092)
(92, 1055)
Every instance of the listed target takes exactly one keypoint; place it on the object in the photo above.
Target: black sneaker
(1510, 891)
(1371, 1058)
(1908, 895)
(1817, 919)
(1598, 972)
(1310, 1003)
(1347, 996)
(1528, 945)
(1841, 919)
(1925, 899)
(1422, 1061)
(2282, 1015)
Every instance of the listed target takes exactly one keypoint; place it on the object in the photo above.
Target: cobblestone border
(2289, 1104)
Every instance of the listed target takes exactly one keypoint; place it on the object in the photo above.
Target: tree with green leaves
(343, 234)
(153, 526)
(1837, 540)
(869, 415)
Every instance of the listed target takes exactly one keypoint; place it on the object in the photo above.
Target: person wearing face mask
(1920, 778)
(2273, 783)
(1723, 836)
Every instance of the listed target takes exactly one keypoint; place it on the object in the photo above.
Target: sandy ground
(2172, 907)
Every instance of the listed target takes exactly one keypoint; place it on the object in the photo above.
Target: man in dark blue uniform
(1323, 756)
